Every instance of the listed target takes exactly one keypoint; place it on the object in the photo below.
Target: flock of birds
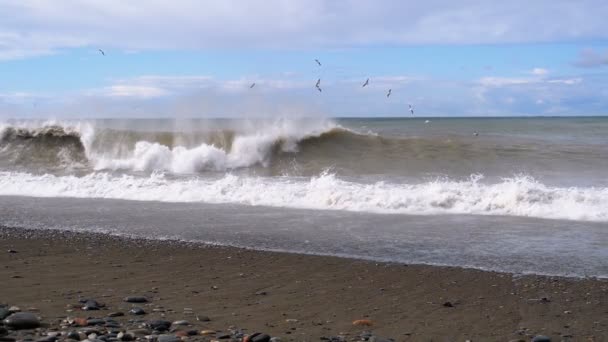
(366, 83)
(318, 84)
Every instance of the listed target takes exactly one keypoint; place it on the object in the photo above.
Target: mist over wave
(240, 145)
(516, 196)
(385, 149)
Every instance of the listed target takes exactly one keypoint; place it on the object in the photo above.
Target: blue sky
(198, 58)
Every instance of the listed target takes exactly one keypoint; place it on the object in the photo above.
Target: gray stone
(259, 337)
(47, 339)
(116, 314)
(73, 335)
(22, 320)
(159, 325)
(139, 332)
(126, 336)
(168, 338)
(4, 312)
(136, 299)
(182, 322)
(95, 321)
(541, 338)
(137, 311)
(91, 305)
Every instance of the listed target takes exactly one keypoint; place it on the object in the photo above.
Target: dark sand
(324, 294)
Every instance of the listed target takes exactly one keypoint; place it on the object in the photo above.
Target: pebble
(541, 338)
(168, 338)
(12, 251)
(14, 309)
(116, 314)
(259, 337)
(139, 332)
(22, 320)
(275, 339)
(91, 305)
(448, 304)
(73, 335)
(136, 299)
(95, 321)
(203, 318)
(159, 325)
(207, 332)
(137, 311)
(4, 312)
(182, 322)
(125, 336)
(81, 322)
(362, 322)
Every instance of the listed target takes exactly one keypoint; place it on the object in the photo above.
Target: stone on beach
(362, 322)
(91, 304)
(137, 311)
(256, 337)
(541, 338)
(159, 325)
(4, 312)
(168, 338)
(22, 320)
(136, 299)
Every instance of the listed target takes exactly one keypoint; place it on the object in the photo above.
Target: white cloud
(539, 71)
(33, 27)
(134, 91)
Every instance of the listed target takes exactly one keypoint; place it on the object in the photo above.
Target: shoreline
(294, 296)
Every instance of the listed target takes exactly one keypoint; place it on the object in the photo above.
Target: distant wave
(516, 196)
(177, 152)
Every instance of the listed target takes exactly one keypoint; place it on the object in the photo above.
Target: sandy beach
(289, 296)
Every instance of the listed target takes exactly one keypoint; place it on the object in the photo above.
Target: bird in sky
(103, 53)
(366, 83)
(316, 60)
(318, 85)
(389, 92)
(252, 85)
(411, 109)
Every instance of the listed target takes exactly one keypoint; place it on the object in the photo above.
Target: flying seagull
(366, 83)
(411, 109)
(318, 85)
(103, 53)
(316, 60)
(252, 85)
(389, 92)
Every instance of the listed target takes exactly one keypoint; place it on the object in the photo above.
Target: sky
(198, 58)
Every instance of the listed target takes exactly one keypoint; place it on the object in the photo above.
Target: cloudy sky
(199, 58)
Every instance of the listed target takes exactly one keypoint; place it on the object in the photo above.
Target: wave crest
(515, 196)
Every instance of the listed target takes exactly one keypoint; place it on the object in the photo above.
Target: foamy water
(519, 196)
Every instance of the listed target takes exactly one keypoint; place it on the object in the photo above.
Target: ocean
(521, 195)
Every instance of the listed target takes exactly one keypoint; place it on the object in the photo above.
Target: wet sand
(294, 297)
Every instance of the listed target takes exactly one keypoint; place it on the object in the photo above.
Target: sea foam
(515, 196)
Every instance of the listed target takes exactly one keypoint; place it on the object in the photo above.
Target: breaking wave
(516, 196)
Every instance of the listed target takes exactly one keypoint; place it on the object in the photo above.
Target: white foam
(252, 146)
(517, 196)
